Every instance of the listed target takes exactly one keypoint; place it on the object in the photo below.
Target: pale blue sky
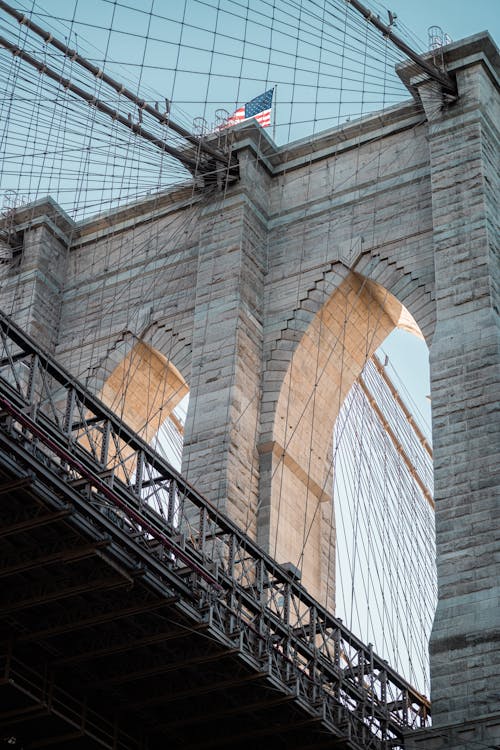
(459, 18)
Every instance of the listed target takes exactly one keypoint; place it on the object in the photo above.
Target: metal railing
(243, 593)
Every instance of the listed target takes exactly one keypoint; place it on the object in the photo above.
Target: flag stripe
(257, 109)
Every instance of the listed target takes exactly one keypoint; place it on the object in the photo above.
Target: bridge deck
(96, 654)
(132, 614)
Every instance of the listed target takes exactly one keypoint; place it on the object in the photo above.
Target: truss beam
(272, 628)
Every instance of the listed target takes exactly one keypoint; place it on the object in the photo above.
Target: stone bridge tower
(266, 298)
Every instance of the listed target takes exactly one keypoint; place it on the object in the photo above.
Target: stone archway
(296, 518)
(144, 389)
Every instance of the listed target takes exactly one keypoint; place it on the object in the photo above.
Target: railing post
(30, 391)
(202, 535)
(106, 436)
(172, 502)
(68, 414)
(139, 473)
(231, 556)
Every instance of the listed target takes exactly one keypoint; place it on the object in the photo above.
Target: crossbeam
(225, 712)
(15, 485)
(130, 644)
(59, 594)
(255, 734)
(69, 711)
(33, 523)
(62, 556)
(195, 692)
(75, 623)
(162, 669)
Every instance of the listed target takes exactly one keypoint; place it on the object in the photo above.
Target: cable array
(191, 60)
(386, 578)
(327, 65)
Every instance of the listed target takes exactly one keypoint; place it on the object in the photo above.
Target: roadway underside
(95, 654)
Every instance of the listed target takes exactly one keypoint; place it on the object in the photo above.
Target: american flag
(258, 109)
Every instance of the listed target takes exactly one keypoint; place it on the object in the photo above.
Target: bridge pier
(465, 385)
(467, 735)
(219, 455)
(32, 283)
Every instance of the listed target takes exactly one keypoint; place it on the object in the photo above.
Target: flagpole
(274, 108)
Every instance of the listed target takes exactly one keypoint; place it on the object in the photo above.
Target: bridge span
(126, 592)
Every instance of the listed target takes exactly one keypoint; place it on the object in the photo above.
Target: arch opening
(386, 586)
(148, 393)
(144, 389)
(296, 522)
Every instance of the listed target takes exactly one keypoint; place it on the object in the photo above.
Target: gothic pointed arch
(143, 389)
(318, 368)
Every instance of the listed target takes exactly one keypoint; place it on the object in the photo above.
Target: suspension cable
(442, 78)
(163, 118)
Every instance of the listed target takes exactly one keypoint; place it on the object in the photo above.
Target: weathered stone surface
(465, 382)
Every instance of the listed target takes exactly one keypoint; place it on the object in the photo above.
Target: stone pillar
(220, 444)
(31, 283)
(465, 382)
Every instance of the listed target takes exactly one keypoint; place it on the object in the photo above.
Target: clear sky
(458, 18)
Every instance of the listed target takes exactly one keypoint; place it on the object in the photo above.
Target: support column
(465, 383)
(31, 282)
(220, 445)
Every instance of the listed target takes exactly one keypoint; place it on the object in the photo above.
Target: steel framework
(139, 515)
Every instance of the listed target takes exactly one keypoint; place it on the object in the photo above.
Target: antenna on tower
(392, 17)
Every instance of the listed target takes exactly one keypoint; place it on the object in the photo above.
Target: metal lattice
(67, 436)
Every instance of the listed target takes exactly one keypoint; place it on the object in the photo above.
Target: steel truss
(106, 478)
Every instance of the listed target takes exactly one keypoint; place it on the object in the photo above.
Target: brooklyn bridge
(254, 283)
